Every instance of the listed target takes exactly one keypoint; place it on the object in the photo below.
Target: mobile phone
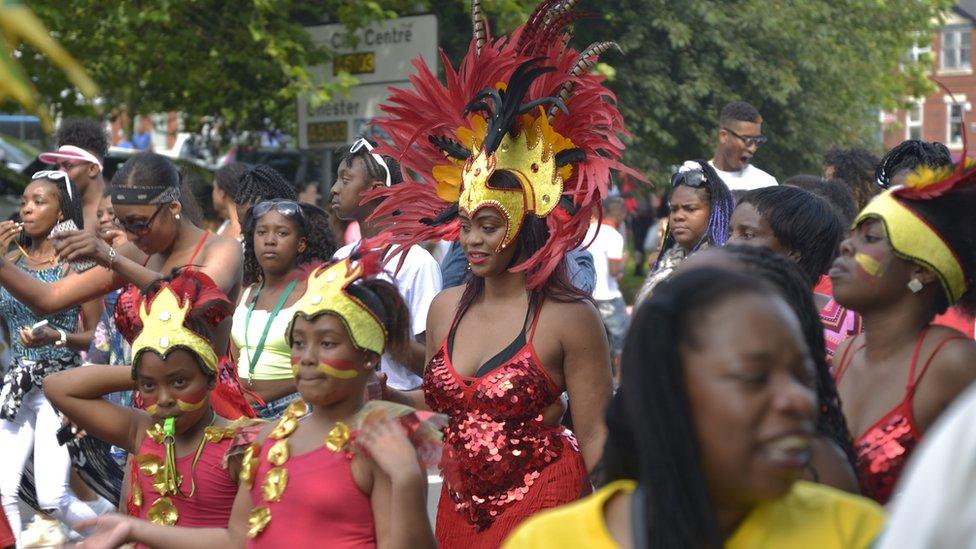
(36, 328)
(78, 265)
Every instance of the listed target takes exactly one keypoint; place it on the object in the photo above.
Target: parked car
(16, 154)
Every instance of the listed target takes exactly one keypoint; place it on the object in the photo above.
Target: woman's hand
(107, 531)
(114, 237)
(73, 245)
(388, 446)
(41, 337)
(8, 232)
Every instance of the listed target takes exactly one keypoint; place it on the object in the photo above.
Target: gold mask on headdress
(529, 155)
(163, 330)
(326, 293)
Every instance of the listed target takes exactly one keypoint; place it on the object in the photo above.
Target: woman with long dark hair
(279, 236)
(710, 432)
(27, 419)
(699, 206)
(515, 174)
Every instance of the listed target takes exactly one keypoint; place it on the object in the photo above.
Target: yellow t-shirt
(810, 515)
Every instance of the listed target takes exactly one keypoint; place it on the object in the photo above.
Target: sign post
(380, 58)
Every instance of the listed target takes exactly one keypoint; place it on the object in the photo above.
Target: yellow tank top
(275, 361)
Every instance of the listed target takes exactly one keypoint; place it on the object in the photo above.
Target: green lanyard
(267, 325)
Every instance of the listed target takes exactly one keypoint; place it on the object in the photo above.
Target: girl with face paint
(911, 255)
(178, 440)
(344, 474)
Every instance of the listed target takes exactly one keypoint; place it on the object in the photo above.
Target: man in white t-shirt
(739, 137)
(418, 279)
(606, 244)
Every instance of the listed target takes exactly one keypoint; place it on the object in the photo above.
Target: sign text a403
(354, 63)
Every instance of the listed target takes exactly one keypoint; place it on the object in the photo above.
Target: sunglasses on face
(139, 227)
(749, 140)
(287, 208)
(360, 144)
(690, 178)
(53, 175)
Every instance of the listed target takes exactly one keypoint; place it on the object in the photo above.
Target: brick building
(936, 117)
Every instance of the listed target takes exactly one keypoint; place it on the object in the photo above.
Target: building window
(956, 48)
(913, 121)
(956, 125)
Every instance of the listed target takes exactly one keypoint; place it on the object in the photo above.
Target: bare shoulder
(954, 365)
(222, 245)
(441, 312)
(573, 321)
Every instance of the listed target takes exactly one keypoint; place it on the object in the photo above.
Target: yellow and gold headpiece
(327, 292)
(913, 238)
(163, 329)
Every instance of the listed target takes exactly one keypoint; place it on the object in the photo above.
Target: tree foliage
(817, 70)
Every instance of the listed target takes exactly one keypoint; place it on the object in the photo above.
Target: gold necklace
(276, 479)
(166, 480)
(24, 253)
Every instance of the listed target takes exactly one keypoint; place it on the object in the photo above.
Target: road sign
(380, 58)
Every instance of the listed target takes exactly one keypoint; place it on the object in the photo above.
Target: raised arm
(78, 394)
(46, 299)
(586, 367)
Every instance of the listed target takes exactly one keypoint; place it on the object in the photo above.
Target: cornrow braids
(262, 182)
(374, 170)
(789, 281)
(909, 155)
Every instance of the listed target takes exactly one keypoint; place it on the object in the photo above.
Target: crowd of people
(792, 371)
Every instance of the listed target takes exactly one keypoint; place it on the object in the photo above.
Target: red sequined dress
(501, 462)
(883, 449)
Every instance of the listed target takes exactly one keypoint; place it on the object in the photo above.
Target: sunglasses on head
(55, 174)
(361, 144)
(139, 227)
(287, 208)
(690, 178)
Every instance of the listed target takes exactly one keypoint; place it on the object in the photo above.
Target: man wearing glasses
(739, 137)
(82, 144)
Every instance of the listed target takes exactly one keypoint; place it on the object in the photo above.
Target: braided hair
(262, 182)
(373, 168)
(909, 155)
(313, 225)
(653, 402)
(788, 280)
(721, 203)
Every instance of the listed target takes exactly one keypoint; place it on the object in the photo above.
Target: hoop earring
(915, 285)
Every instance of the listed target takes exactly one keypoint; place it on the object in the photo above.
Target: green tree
(818, 71)
(244, 61)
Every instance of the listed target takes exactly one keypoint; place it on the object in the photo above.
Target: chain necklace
(23, 253)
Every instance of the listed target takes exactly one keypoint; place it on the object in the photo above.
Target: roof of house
(967, 9)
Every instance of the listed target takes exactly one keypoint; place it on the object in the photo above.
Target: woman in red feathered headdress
(911, 255)
(181, 437)
(514, 156)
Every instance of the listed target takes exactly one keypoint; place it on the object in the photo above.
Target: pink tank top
(213, 490)
(321, 505)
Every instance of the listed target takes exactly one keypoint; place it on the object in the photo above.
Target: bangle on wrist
(62, 338)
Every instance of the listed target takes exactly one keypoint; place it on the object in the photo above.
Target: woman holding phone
(40, 346)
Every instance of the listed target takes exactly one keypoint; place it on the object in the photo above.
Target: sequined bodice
(883, 450)
(496, 441)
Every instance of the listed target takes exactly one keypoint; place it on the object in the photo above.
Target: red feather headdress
(527, 105)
